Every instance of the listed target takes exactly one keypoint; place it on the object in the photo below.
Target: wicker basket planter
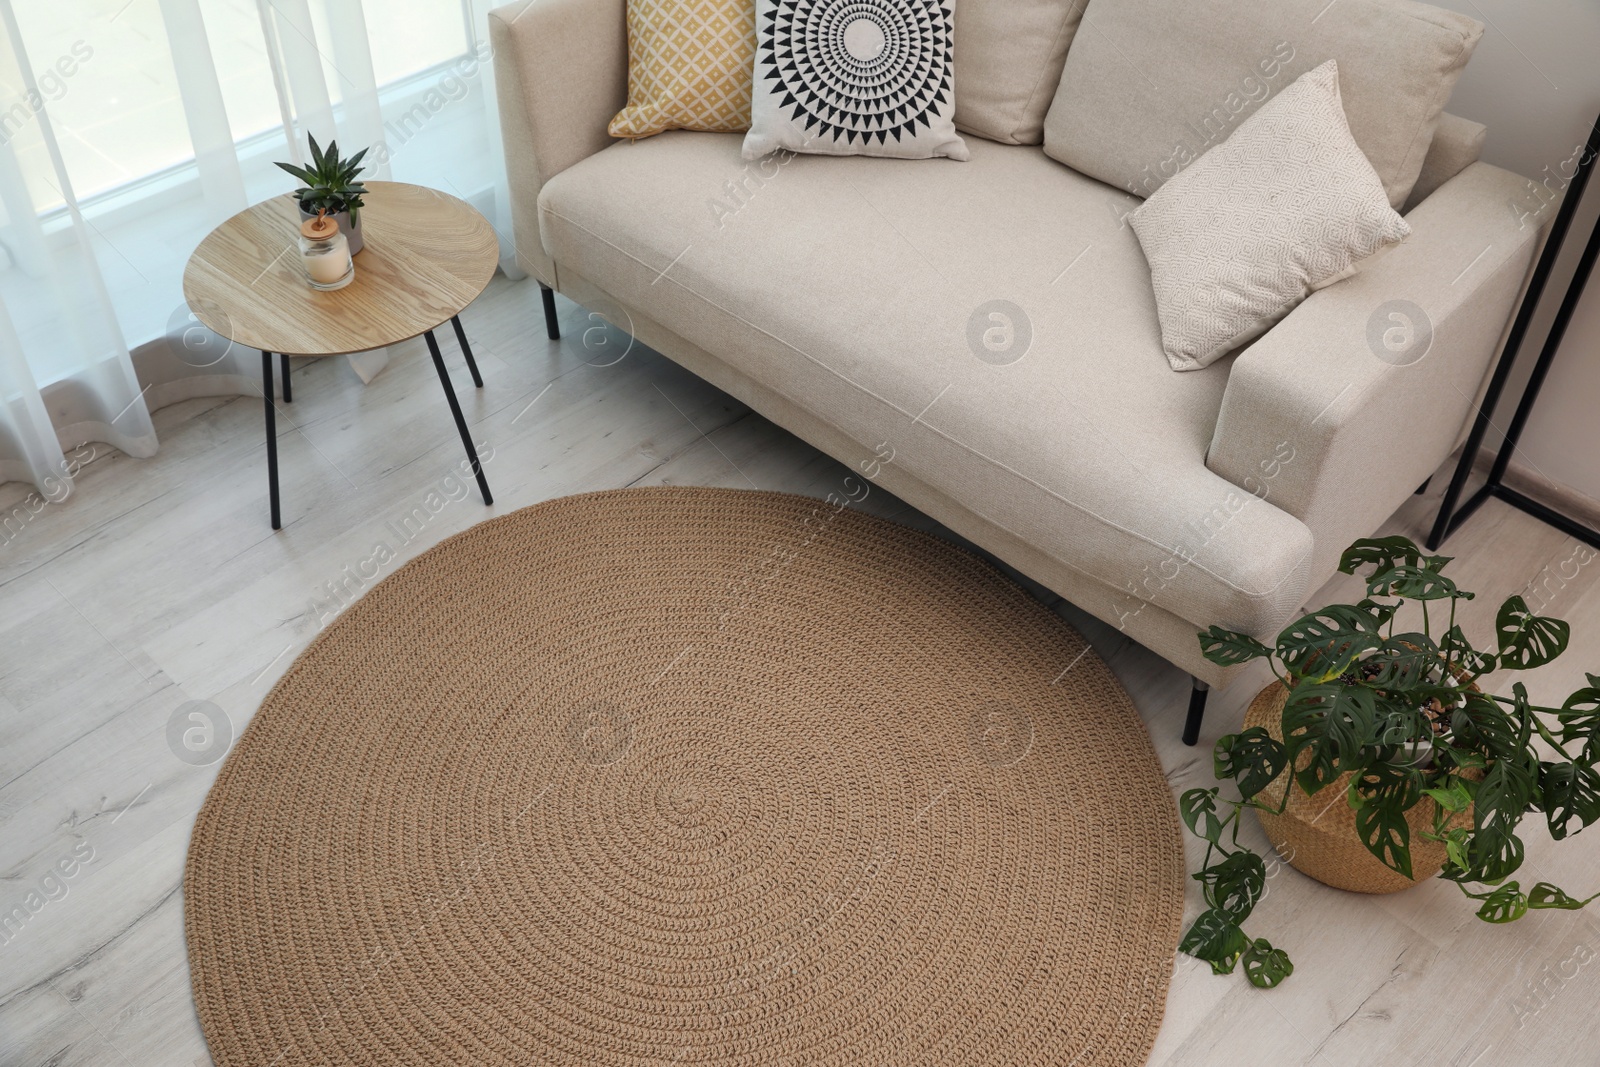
(1316, 835)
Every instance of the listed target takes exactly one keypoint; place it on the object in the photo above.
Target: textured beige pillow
(688, 67)
(1150, 85)
(1285, 205)
(1009, 63)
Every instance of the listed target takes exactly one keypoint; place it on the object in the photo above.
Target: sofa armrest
(561, 73)
(1342, 409)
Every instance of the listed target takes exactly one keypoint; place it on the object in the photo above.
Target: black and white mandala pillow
(855, 77)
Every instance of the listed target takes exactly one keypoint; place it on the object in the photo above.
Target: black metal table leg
(272, 435)
(455, 410)
(551, 327)
(283, 361)
(466, 350)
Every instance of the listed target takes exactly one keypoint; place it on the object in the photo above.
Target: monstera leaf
(1383, 552)
(1580, 714)
(1528, 640)
(1383, 794)
(1252, 759)
(1408, 661)
(1335, 722)
(1498, 803)
(1324, 643)
(1545, 895)
(1480, 721)
(1570, 791)
(1264, 965)
(1384, 831)
(1404, 724)
(1413, 583)
(1229, 649)
(1458, 650)
(1504, 905)
(1233, 885)
(1198, 807)
(1216, 939)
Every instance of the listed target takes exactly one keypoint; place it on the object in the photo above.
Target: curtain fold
(29, 448)
(81, 279)
(205, 115)
(481, 63)
(68, 321)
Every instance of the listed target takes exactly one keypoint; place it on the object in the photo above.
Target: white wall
(1535, 82)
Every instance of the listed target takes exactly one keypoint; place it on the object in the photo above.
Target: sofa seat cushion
(865, 290)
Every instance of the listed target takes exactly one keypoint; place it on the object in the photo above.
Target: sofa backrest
(1149, 85)
(1008, 61)
(1457, 144)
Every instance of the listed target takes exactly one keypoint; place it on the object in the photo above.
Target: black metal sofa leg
(551, 327)
(1197, 712)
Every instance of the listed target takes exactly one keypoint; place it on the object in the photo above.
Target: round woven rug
(688, 776)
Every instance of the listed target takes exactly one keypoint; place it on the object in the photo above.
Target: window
(105, 71)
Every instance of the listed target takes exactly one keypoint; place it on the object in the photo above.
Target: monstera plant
(1397, 720)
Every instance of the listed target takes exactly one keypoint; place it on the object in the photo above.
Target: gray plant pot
(351, 233)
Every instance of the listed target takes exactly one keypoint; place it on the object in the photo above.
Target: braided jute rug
(688, 776)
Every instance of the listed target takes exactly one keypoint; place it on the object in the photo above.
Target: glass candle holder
(325, 254)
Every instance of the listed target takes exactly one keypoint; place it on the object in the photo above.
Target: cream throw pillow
(688, 67)
(1009, 64)
(1285, 205)
(854, 78)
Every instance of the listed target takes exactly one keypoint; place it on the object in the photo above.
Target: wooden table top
(427, 255)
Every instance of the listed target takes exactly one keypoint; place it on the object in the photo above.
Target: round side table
(427, 255)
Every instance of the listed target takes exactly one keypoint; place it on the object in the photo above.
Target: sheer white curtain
(67, 311)
(129, 128)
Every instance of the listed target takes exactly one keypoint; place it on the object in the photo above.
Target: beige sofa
(835, 296)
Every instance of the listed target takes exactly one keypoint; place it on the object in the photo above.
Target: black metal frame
(444, 379)
(1450, 516)
(1197, 712)
(548, 296)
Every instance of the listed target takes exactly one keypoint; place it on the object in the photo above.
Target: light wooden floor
(161, 583)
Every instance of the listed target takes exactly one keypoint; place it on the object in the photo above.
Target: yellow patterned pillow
(689, 66)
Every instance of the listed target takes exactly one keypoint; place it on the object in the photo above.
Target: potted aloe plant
(331, 188)
(1375, 760)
